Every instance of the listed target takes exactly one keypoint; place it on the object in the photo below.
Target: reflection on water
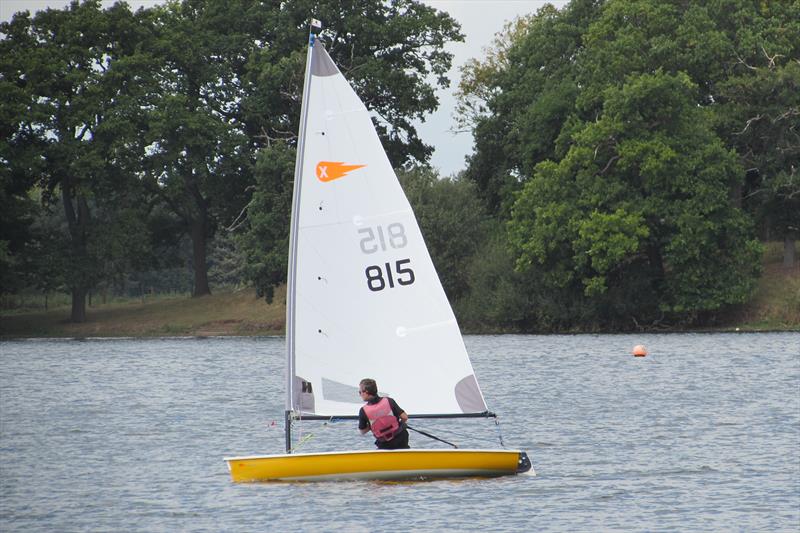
(703, 434)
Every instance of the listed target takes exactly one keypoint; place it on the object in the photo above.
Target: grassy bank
(224, 313)
(776, 303)
(775, 306)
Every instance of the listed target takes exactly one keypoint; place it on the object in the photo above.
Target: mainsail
(364, 298)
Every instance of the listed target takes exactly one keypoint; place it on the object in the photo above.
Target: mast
(292, 271)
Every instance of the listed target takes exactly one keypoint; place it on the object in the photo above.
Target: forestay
(364, 298)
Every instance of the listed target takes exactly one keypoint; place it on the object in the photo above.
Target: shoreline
(775, 307)
(100, 338)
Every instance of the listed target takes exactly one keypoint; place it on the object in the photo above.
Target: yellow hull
(378, 464)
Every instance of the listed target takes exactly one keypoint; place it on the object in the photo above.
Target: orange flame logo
(333, 170)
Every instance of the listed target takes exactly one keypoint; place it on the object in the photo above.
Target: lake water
(129, 435)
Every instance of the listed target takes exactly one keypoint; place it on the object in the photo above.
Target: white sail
(365, 299)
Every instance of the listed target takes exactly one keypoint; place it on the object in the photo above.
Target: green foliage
(266, 241)
(639, 206)
(386, 50)
(625, 149)
(227, 262)
(65, 132)
(637, 130)
(606, 240)
(17, 211)
(8, 270)
(759, 115)
(529, 89)
(744, 58)
(452, 220)
(499, 299)
(198, 158)
(122, 117)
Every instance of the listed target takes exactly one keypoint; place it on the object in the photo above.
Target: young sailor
(383, 417)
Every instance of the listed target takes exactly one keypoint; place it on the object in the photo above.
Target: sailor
(383, 417)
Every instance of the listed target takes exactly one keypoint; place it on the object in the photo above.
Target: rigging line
(303, 439)
(467, 436)
(499, 433)
(301, 442)
(472, 436)
(434, 437)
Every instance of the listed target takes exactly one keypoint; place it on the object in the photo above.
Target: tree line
(636, 152)
(128, 136)
(629, 155)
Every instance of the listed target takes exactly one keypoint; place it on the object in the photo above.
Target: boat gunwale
(356, 452)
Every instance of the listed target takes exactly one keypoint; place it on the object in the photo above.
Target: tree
(68, 122)
(498, 297)
(198, 158)
(769, 147)
(522, 96)
(549, 96)
(266, 241)
(117, 243)
(635, 221)
(224, 90)
(386, 50)
(17, 212)
(743, 56)
(758, 113)
(453, 222)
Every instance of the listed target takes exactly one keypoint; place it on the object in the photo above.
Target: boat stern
(523, 463)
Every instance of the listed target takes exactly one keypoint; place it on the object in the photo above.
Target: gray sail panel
(304, 395)
(340, 392)
(468, 395)
(321, 63)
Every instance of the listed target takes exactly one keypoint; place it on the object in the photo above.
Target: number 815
(377, 279)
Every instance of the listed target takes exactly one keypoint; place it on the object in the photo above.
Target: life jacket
(382, 421)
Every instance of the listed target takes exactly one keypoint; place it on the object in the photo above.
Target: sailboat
(364, 300)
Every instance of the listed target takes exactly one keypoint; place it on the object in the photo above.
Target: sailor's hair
(369, 385)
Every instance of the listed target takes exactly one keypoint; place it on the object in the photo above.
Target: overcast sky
(480, 20)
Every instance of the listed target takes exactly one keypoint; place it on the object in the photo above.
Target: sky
(480, 21)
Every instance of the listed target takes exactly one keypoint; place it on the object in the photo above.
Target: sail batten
(365, 298)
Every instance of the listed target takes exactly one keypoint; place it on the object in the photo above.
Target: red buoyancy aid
(382, 421)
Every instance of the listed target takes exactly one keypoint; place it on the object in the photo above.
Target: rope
(303, 439)
(449, 433)
(499, 433)
(472, 436)
(434, 437)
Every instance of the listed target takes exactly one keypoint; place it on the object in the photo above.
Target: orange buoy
(639, 351)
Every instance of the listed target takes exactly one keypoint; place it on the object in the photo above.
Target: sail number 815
(378, 278)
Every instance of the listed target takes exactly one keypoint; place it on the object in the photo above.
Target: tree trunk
(199, 265)
(78, 305)
(789, 251)
(77, 215)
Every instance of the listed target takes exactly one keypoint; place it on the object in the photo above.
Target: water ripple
(126, 434)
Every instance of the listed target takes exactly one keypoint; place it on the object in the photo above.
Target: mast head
(315, 26)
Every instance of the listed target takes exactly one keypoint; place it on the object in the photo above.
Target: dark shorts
(398, 443)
